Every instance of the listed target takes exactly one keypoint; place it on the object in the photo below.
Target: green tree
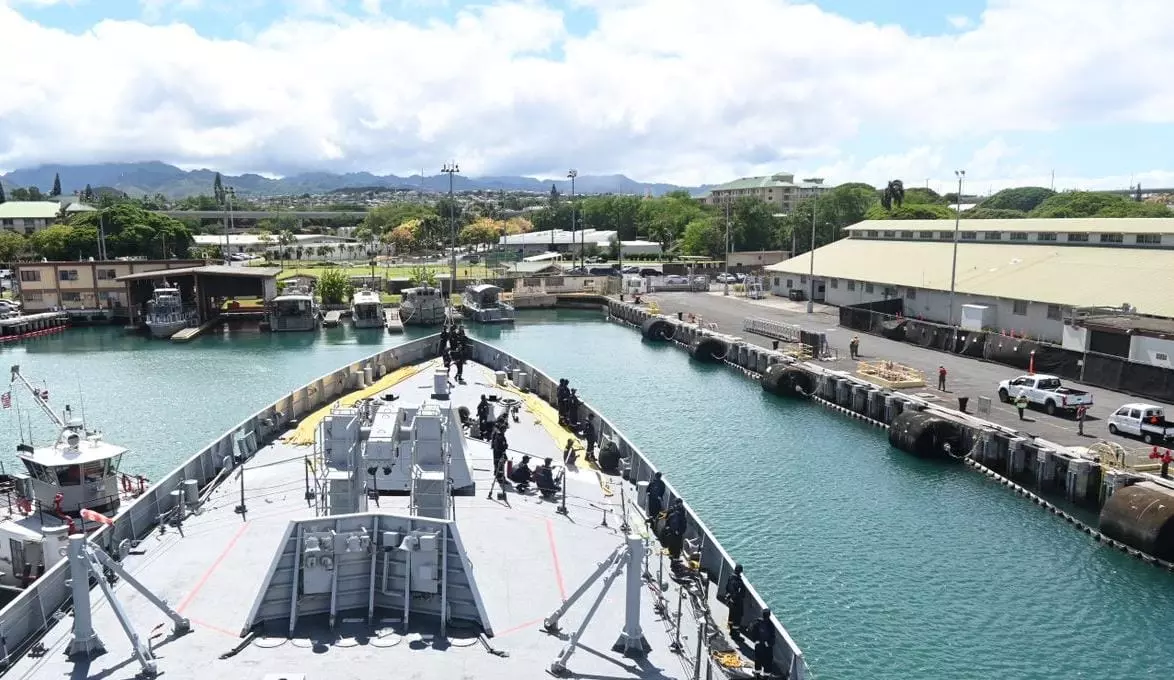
(1023, 199)
(218, 193)
(984, 213)
(20, 194)
(12, 245)
(919, 211)
(923, 196)
(34, 194)
(384, 218)
(1095, 204)
(423, 276)
(557, 216)
(553, 195)
(752, 224)
(59, 242)
(2, 198)
(664, 219)
(56, 190)
(334, 286)
(88, 194)
(482, 232)
(614, 247)
(133, 231)
(704, 236)
(611, 213)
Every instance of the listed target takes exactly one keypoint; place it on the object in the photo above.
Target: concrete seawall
(1139, 522)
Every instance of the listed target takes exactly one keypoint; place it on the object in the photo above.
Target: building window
(890, 234)
(789, 281)
(969, 235)
(1019, 308)
(803, 279)
(30, 275)
(925, 234)
(835, 283)
(945, 235)
(906, 234)
(6, 223)
(910, 293)
(776, 282)
(107, 274)
(889, 292)
(1077, 238)
(1054, 312)
(71, 296)
(868, 288)
(1017, 236)
(994, 236)
(872, 233)
(851, 285)
(31, 296)
(1149, 239)
(1112, 238)
(67, 275)
(1045, 236)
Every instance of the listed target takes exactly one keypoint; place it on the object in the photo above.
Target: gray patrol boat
(354, 529)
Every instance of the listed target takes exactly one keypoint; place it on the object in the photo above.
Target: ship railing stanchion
(676, 646)
(241, 509)
(562, 508)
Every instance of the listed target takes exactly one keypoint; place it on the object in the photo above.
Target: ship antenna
(19, 422)
(81, 398)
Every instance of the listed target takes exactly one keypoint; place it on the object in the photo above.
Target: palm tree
(285, 239)
(894, 194)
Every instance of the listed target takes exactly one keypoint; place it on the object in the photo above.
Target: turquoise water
(880, 565)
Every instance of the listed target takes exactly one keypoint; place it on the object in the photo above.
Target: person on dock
(483, 422)
(854, 347)
(590, 436)
(675, 525)
(1021, 405)
(544, 479)
(443, 338)
(446, 357)
(942, 378)
(459, 359)
(563, 396)
(734, 598)
(522, 475)
(499, 444)
(569, 454)
(656, 490)
(1081, 412)
(764, 644)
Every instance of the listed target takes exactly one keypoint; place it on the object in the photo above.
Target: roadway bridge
(300, 216)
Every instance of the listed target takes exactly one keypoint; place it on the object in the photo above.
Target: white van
(1142, 420)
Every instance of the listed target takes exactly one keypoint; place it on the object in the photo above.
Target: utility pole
(228, 226)
(960, 174)
(451, 169)
(572, 174)
(726, 278)
(811, 269)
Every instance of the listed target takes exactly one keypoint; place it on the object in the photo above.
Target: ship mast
(40, 400)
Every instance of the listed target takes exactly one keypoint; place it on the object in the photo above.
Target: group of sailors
(494, 429)
(568, 416)
(673, 523)
(454, 348)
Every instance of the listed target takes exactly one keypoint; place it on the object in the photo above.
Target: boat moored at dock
(293, 310)
(422, 306)
(366, 309)
(167, 314)
(482, 303)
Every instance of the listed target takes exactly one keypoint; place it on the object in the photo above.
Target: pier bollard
(1015, 456)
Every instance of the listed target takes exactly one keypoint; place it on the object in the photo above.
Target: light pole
(572, 174)
(726, 278)
(960, 174)
(451, 169)
(811, 268)
(229, 194)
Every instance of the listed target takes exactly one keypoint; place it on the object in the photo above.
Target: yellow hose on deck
(303, 435)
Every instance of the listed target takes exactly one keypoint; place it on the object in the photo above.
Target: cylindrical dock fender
(709, 348)
(789, 381)
(656, 328)
(1141, 516)
(926, 435)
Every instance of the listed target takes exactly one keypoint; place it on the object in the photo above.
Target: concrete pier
(32, 326)
(1028, 464)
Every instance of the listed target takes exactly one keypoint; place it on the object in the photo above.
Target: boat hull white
(165, 329)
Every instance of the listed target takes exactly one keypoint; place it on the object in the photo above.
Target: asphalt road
(966, 377)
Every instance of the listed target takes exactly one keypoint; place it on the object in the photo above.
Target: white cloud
(679, 90)
(958, 21)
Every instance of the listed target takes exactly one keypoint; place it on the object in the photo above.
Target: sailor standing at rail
(655, 498)
(674, 529)
(563, 396)
(590, 436)
(764, 644)
(734, 597)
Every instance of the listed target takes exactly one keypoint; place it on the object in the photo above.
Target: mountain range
(155, 177)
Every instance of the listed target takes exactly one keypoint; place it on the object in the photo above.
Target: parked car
(1044, 391)
(726, 278)
(1146, 421)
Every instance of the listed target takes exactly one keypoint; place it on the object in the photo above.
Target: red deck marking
(558, 571)
(196, 623)
(207, 574)
(521, 626)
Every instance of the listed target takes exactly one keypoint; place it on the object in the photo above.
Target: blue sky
(1088, 136)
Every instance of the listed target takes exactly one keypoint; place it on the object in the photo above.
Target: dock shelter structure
(206, 285)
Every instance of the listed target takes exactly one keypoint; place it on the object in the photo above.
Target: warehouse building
(1022, 276)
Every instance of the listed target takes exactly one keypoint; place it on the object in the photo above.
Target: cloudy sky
(684, 91)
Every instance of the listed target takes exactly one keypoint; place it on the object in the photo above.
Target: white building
(255, 243)
(779, 190)
(1028, 273)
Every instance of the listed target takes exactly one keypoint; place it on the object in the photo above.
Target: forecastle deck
(526, 557)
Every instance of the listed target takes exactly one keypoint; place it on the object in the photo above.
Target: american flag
(6, 399)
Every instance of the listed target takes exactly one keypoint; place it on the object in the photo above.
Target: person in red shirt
(942, 378)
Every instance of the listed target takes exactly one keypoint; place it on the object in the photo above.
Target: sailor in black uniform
(764, 643)
(655, 497)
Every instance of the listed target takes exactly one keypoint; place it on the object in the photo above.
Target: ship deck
(527, 559)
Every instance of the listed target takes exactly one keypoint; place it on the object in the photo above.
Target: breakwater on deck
(1136, 509)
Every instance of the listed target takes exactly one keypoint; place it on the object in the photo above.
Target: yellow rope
(546, 416)
(303, 435)
(728, 659)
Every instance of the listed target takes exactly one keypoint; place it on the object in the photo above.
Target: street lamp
(451, 169)
(961, 175)
(811, 256)
(229, 194)
(726, 278)
(572, 174)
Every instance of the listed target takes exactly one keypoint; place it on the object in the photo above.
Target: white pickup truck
(1142, 420)
(1044, 391)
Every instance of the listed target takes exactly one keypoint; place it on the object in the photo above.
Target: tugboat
(482, 303)
(73, 480)
(422, 306)
(294, 310)
(366, 309)
(166, 314)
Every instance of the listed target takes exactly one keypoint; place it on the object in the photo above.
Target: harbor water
(879, 564)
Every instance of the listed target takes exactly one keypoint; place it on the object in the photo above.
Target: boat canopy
(484, 291)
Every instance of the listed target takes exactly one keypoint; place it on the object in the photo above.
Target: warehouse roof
(1089, 225)
(1076, 277)
(30, 210)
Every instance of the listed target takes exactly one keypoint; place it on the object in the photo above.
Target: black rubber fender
(656, 328)
(926, 435)
(785, 380)
(1141, 516)
(707, 348)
